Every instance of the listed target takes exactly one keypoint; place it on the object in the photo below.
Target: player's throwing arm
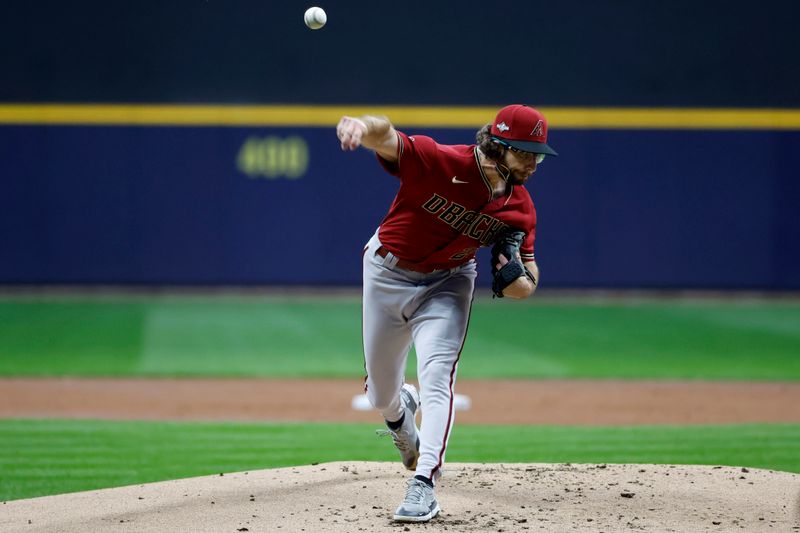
(375, 133)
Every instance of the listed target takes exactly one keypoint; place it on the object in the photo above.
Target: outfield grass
(320, 337)
(307, 337)
(41, 457)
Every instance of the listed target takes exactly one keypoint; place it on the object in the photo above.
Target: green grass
(320, 337)
(41, 457)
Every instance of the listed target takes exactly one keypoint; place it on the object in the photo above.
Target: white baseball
(315, 17)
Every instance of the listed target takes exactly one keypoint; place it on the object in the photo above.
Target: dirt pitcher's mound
(474, 497)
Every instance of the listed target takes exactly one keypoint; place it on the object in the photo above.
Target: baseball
(315, 17)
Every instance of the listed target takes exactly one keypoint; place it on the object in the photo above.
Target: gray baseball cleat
(419, 505)
(406, 438)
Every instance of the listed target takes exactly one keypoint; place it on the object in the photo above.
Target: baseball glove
(507, 244)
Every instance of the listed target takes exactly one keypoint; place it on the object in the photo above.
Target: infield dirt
(575, 402)
(352, 496)
(349, 497)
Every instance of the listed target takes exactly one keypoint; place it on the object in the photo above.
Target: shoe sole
(414, 395)
(423, 518)
(415, 398)
(413, 466)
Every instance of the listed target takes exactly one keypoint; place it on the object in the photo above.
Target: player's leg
(439, 328)
(387, 337)
(439, 325)
(386, 333)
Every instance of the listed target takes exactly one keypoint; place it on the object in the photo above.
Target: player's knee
(381, 402)
(440, 360)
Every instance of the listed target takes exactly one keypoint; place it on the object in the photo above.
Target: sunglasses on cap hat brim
(522, 153)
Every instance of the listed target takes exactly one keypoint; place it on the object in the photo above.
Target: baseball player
(419, 270)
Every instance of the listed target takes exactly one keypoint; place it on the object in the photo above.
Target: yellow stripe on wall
(403, 116)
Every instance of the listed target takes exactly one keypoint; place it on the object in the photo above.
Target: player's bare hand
(350, 131)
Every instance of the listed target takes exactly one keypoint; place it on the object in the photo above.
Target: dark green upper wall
(582, 53)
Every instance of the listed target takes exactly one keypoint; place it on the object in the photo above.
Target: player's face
(521, 164)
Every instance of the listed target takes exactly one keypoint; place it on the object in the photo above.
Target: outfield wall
(678, 124)
(226, 204)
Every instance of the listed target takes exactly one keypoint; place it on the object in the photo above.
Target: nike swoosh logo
(456, 180)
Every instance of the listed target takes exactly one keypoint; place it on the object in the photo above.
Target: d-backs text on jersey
(479, 226)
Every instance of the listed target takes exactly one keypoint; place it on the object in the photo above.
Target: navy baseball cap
(522, 127)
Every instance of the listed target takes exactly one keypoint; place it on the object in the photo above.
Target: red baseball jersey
(444, 211)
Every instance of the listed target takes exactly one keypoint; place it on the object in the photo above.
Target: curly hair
(490, 148)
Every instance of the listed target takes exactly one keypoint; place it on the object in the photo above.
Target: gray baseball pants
(401, 307)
